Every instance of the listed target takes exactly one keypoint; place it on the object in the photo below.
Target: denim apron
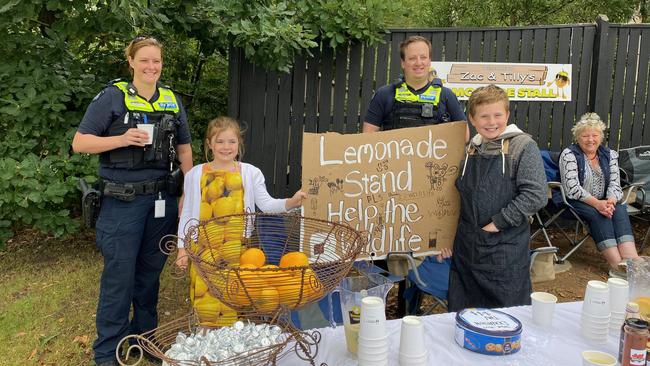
(488, 269)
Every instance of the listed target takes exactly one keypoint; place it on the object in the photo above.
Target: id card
(159, 207)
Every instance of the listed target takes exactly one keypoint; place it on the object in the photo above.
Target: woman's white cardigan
(255, 194)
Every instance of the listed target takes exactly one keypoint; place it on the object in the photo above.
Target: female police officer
(139, 180)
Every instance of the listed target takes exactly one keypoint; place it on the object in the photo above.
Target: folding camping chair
(634, 164)
(558, 207)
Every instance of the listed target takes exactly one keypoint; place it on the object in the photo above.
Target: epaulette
(114, 81)
(161, 85)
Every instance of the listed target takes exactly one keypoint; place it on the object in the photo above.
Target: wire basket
(158, 342)
(260, 263)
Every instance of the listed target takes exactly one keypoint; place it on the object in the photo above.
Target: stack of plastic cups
(618, 298)
(594, 323)
(373, 337)
(411, 347)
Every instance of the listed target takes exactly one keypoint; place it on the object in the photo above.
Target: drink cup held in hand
(618, 294)
(596, 300)
(148, 128)
(373, 318)
(412, 337)
(543, 308)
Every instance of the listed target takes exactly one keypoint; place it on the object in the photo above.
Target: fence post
(600, 77)
(234, 86)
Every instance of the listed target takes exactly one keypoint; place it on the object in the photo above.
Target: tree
(466, 13)
(57, 55)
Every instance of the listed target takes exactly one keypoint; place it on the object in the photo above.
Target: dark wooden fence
(331, 91)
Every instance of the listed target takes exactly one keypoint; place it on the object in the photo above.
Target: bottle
(634, 345)
(631, 311)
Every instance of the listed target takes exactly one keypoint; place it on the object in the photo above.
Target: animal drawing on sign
(380, 225)
(313, 203)
(438, 174)
(335, 186)
(561, 81)
(314, 185)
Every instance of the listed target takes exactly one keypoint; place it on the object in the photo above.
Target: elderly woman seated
(590, 177)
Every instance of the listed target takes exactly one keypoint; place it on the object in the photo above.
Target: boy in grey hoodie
(502, 183)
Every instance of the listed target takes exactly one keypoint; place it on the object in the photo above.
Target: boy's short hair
(487, 95)
(412, 39)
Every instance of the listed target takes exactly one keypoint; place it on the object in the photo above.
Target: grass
(47, 315)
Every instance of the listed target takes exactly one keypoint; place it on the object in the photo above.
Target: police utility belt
(128, 191)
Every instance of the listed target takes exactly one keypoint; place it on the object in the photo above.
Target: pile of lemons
(222, 194)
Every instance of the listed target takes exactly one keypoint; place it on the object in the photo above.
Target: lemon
(211, 234)
(237, 193)
(233, 181)
(205, 211)
(223, 206)
(207, 308)
(200, 287)
(210, 256)
(215, 189)
(230, 251)
(269, 300)
(235, 229)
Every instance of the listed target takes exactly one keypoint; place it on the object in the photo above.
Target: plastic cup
(543, 308)
(618, 294)
(372, 357)
(412, 337)
(597, 358)
(405, 360)
(373, 346)
(373, 318)
(596, 299)
(148, 128)
(586, 318)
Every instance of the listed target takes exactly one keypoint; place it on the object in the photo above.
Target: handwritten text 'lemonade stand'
(388, 225)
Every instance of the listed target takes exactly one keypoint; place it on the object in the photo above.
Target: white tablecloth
(560, 345)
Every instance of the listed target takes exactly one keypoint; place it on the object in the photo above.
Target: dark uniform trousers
(128, 237)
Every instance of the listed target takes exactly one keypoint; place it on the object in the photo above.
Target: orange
(294, 259)
(253, 256)
(248, 286)
(223, 206)
(291, 289)
(233, 181)
(235, 229)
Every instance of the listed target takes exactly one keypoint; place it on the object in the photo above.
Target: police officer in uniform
(414, 101)
(141, 183)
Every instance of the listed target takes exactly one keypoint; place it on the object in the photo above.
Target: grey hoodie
(526, 172)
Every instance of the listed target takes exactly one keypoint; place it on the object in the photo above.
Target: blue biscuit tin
(486, 331)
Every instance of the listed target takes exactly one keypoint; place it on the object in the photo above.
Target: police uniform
(128, 233)
(399, 106)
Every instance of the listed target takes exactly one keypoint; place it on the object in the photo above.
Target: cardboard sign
(397, 186)
(532, 82)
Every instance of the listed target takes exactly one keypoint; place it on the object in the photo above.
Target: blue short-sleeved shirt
(108, 106)
(381, 104)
